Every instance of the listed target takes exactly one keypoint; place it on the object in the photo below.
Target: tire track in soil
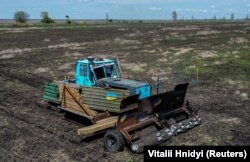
(21, 132)
(64, 135)
(63, 139)
(47, 122)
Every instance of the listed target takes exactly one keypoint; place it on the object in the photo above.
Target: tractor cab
(91, 70)
(106, 72)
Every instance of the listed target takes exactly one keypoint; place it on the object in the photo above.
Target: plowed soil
(29, 130)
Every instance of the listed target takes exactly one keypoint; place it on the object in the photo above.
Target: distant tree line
(23, 17)
(232, 17)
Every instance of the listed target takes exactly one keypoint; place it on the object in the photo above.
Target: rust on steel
(131, 125)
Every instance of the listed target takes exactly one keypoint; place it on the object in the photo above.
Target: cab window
(109, 71)
(99, 72)
(83, 70)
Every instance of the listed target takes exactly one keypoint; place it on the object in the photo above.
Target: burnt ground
(217, 54)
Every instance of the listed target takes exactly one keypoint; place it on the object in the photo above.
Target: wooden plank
(107, 119)
(77, 112)
(75, 106)
(70, 102)
(100, 125)
(72, 85)
(60, 85)
(76, 94)
(69, 106)
(70, 99)
(68, 96)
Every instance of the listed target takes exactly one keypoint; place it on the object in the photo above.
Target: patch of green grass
(17, 85)
(210, 142)
(219, 68)
(172, 142)
(132, 159)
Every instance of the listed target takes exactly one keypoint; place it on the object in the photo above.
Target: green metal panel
(48, 98)
(99, 89)
(105, 106)
(97, 98)
(55, 95)
(51, 86)
(51, 92)
(101, 95)
(96, 107)
(106, 102)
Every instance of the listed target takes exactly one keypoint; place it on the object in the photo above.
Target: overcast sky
(126, 9)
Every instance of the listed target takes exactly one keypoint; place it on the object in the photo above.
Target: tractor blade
(157, 118)
(165, 102)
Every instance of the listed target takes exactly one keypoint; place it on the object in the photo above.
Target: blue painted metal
(83, 76)
(134, 86)
(144, 91)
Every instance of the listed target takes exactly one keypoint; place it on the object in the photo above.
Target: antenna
(119, 66)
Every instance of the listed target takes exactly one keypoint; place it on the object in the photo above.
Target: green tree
(21, 16)
(174, 15)
(45, 18)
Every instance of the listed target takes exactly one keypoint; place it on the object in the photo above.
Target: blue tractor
(125, 109)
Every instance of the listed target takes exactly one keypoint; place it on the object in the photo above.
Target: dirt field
(215, 54)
